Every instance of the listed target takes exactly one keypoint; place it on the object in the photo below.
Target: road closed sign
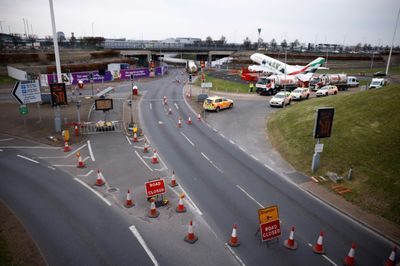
(155, 187)
(270, 230)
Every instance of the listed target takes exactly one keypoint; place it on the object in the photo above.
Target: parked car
(300, 94)
(281, 99)
(377, 83)
(217, 103)
(327, 90)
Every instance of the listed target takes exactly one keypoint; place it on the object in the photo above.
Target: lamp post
(391, 47)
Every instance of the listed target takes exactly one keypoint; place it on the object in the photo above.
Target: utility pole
(391, 47)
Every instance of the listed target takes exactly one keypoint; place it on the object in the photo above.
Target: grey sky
(331, 21)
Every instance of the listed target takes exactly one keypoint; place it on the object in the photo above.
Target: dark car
(379, 74)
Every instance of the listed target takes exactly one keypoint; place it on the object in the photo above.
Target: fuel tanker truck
(272, 84)
(339, 80)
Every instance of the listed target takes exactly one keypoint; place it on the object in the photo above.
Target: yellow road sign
(268, 214)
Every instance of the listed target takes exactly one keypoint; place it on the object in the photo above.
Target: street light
(391, 47)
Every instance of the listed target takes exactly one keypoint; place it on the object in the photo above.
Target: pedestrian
(251, 85)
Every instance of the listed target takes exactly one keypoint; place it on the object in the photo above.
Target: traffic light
(90, 76)
(131, 77)
(190, 77)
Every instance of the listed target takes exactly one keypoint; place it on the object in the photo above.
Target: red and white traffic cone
(145, 147)
(135, 139)
(392, 258)
(81, 164)
(179, 122)
(189, 121)
(129, 202)
(198, 117)
(153, 213)
(67, 148)
(319, 248)
(181, 208)
(169, 111)
(76, 131)
(349, 260)
(99, 180)
(191, 237)
(290, 243)
(173, 182)
(234, 241)
(154, 159)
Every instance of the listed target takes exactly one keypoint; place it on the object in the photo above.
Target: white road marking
(162, 162)
(86, 175)
(51, 167)
(205, 156)
(90, 151)
(138, 147)
(136, 233)
(30, 147)
(130, 143)
(242, 149)
(91, 189)
(151, 106)
(269, 167)
(63, 165)
(66, 156)
(160, 122)
(248, 195)
(1, 150)
(239, 260)
(6, 139)
(254, 157)
(323, 178)
(140, 157)
(189, 200)
(86, 158)
(315, 180)
(187, 139)
(232, 142)
(176, 106)
(325, 257)
(212, 163)
(26, 158)
(222, 135)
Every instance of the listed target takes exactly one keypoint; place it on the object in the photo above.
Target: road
(229, 186)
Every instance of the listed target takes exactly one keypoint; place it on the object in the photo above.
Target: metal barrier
(94, 128)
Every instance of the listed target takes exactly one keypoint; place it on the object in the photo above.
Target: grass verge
(225, 85)
(365, 136)
(358, 71)
(5, 79)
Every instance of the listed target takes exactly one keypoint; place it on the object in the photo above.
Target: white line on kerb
(242, 149)
(176, 106)
(239, 260)
(143, 161)
(222, 135)
(254, 157)
(248, 195)
(205, 156)
(187, 139)
(136, 233)
(151, 106)
(232, 142)
(130, 143)
(26, 158)
(90, 151)
(326, 257)
(189, 200)
(91, 189)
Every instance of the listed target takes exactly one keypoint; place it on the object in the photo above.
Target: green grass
(5, 79)
(365, 136)
(358, 71)
(225, 85)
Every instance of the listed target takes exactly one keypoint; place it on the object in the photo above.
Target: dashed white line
(212, 163)
(254, 157)
(187, 139)
(232, 142)
(140, 157)
(176, 106)
(51, 167)
(91, 189)
(205, 156)
(242, 149)
(136, 233)
(248, 195)
(222, 135)
(151, 106)
(26, 158)
(90, 151)
(130, 143)
(325, 257)
(1, 150)
(6, 139)
(86, 175)
(239, 260)
(30, 147)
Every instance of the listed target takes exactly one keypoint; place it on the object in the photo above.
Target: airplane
(270, 65)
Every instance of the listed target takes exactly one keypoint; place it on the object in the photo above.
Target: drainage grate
(113, 190)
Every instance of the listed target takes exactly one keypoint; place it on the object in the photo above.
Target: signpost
(206, 85)
(270, 226)
(58, 94)
(27, 92)
(103, 104)
(155, 187)
(23, 109)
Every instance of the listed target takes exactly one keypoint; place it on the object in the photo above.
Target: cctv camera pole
(391, 47)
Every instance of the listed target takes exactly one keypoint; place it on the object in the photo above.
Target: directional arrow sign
(27, 92)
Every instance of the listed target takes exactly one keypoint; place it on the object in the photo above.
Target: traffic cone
(290, 243)
(179, 122)
(392, 258)
(154, 159)
(135, 139)
(145, 147)
(99, 181)
(349, 260)
(153, 213)
(190, 237)
(319, 248)
(67, 148)
(198, 117)
(81, 164)
(169, 111)
(173, 180)
(76, 131)
(189, 121)
(129, 202)
(181, 208)
(234, 242)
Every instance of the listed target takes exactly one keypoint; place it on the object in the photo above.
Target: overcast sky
(321, 21)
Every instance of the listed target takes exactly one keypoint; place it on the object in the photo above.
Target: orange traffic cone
(290, 243)
(135, 139)
(181, 208)
(99, 181)
(169, 111)
(154, 159)
(234, 242)
(66, 147)
(129, 202)
(198, 117)
(319, 248)
(153, 213)
(349, 260)
(173, 180)
(189, 121)
(190, 237)
(145, 147)
(81, 164)
(392, 258)
(179, 122)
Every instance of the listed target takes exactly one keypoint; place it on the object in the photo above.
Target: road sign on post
(58, 94)
(155, 187)
(23, 109)
(270, 226)
(27, 91)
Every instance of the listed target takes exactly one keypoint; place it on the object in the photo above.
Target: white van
(352, 81)
(377, 83)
